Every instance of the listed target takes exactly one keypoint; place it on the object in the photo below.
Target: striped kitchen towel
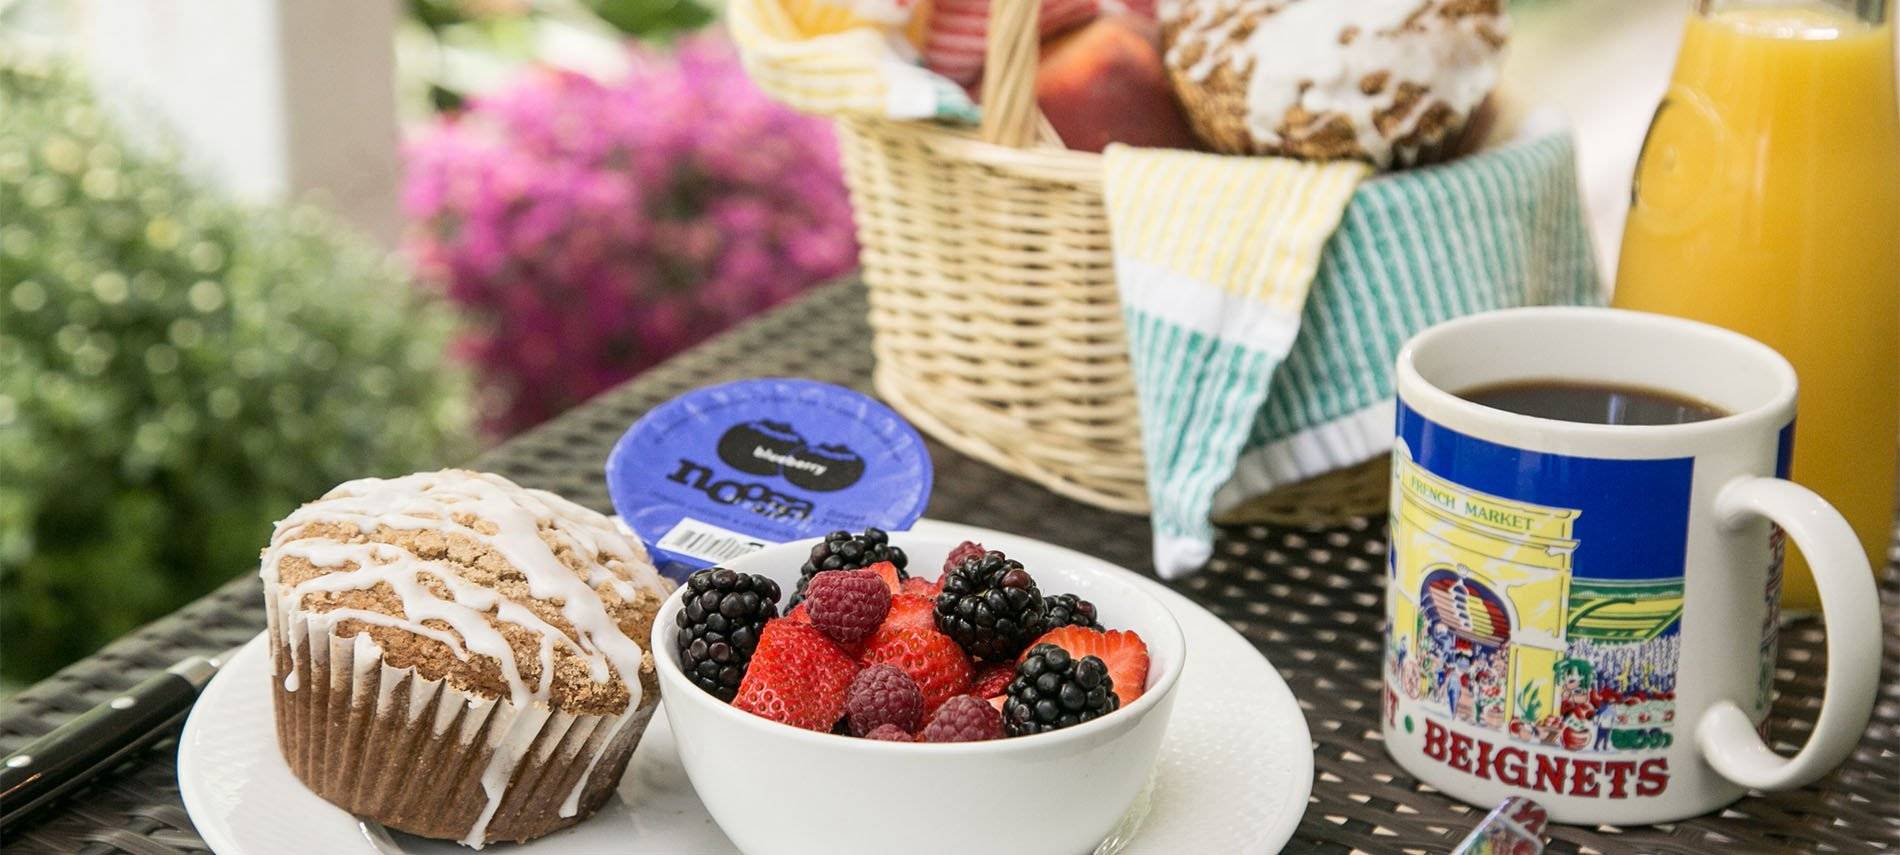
(844, 58)
(1266, 300)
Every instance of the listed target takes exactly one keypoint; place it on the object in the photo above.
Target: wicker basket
(996, 322)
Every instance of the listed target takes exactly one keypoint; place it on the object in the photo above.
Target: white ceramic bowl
(778, 790)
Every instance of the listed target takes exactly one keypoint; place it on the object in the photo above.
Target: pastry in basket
(458, 657)
(1390, 82)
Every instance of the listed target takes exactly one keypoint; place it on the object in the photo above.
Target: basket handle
(1010, 117)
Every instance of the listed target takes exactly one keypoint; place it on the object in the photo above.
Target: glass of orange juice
(1767, 200)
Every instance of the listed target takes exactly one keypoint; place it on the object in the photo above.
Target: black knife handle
(98, 738)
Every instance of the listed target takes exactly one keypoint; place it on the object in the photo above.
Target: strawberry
(932, 660)
(909, 611)
(1125, 654)
(922, 588)
(888, 572)
(993, 679)
(797, 677)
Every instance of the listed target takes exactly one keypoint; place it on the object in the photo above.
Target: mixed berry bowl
(1049, 783)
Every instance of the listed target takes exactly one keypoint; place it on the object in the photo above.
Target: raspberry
(797, 677)
(847, 605)
(842, 550)
(963, 719)
(934, 662)
(889, 733)
(882, 696)
(966, 549)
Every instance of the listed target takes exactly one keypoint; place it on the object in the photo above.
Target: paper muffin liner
(424, 757)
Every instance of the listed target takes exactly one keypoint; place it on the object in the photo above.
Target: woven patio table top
(1310, 599)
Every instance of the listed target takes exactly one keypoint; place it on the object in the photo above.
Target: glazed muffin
(1390, 82)
(458, 657)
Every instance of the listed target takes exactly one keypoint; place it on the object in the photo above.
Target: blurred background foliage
(589, 189)
(450, 50)
(177, 372)
(590, 228)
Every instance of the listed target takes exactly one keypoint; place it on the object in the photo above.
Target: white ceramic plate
(1234, 773)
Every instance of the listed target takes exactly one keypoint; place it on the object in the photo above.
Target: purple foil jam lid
(725, 470)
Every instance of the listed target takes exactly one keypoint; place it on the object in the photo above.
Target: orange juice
(1767, 200)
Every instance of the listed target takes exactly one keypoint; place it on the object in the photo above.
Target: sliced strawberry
(993, 679)
(922, 587)
(892, 579)
(1125, 654)
(909, 611)
(797, 677)
(932, 660)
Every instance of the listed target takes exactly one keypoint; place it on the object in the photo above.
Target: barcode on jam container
(708, 542)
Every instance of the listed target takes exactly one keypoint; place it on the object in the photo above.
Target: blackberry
(990, 606)
(1053, 690)
(1068, 610)
(842, 550)
(719, 626)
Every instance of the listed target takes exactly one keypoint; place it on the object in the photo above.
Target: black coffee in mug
(1591, 403)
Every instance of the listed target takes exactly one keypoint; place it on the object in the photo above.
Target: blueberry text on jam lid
(831, 466)
(760, 447)
(725, 470)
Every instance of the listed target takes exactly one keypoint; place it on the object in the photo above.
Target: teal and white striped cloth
(1238, 398)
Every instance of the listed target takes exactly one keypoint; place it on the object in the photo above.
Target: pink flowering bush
(592, 229)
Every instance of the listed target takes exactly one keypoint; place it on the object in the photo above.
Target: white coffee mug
(1585, 614)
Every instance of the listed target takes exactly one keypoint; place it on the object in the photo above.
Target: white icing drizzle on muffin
(456, 502)
(1323, 55)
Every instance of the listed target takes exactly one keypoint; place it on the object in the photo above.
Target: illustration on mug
(1500, 621)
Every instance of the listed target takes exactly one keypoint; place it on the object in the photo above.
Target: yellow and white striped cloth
(844, 58)
(1227, 246)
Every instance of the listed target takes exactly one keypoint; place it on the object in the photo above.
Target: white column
(268, 100)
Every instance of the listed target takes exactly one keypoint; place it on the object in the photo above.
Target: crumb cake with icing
(458, 657)
(1390, 82)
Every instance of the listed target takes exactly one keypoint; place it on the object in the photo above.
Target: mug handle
(1851, 608)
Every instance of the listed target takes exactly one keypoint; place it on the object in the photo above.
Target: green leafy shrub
(176, 372)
